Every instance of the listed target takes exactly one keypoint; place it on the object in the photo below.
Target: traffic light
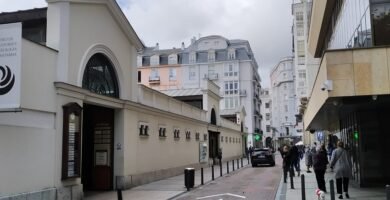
(257, 137)
(356, 135)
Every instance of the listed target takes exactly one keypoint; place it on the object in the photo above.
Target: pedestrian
(295, 159)
(246, 152)
(330, 150)
(286, 162)
(320, 160)
(341, 163)
(308, 159)
(250, 151)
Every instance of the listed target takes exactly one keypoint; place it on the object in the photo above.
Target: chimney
(183, 46)
(157, 46)
(193, 40)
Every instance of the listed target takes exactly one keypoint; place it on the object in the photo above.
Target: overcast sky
(266, 24)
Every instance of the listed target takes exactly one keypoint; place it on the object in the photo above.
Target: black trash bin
(189, 178)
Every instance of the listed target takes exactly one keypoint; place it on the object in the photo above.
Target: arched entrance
(98, 125)
(213, 138)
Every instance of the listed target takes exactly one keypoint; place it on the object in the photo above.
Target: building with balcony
(350, 97)
(230, 64)
(73, 118)
(284, 101)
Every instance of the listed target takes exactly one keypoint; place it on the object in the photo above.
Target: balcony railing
(213, 76)
(154, 79)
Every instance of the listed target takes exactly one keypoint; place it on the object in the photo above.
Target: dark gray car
(262, 156)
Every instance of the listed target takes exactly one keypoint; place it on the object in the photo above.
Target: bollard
(242, 163)
(220, 169)
(238, 164)
(227, 166)
(212, 172)
(233, 164)
(303, 187)
(387, 192)
(291, 180)
(119, 192)
(332, 195)
(201, 176)
(248, 160)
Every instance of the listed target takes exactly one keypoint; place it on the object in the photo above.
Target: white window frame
(172, 74)
(192, 73)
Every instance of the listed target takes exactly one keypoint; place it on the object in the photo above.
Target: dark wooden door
(98, 148)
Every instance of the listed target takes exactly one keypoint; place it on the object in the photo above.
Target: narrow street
(249, 183)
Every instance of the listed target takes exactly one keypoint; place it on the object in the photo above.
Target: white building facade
(81, 122)
(266, 112)
(283, 100)
(228, 63)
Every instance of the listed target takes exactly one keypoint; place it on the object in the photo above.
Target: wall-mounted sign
(203, 152)
(101, 158)
(10, 65)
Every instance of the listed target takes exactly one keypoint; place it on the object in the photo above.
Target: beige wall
(317, 16)
(354, 72)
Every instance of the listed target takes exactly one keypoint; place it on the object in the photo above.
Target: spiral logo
(7, 80)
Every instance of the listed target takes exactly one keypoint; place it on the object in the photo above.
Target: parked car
(263, 156)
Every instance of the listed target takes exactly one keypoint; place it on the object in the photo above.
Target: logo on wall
(7, 80)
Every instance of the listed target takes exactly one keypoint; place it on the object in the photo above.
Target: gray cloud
(266, 24)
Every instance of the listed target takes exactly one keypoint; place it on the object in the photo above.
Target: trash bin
(189, 178)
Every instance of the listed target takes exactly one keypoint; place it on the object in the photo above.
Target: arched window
(99, 76)
(213, 119)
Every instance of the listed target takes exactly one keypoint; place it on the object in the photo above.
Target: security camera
(327, 85)
(323, 88)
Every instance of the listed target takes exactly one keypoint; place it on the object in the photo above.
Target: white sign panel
(203, 152)
(10, 65)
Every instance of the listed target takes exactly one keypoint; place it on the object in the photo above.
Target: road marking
(217, 195)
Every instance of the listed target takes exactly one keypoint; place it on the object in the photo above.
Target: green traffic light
(356, 135)
(257, 137)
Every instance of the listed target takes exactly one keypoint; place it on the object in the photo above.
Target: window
(188, 135)
(71, 143)
(301, 47)
(192, 73)
(301, 60)
(221, 138)
(266, 105)
(267, 116)
(302, 74)
(301, 84)
(231, 88)
(176, 133)
(143, 129)
(230, 70)
(154, 74)
(268, 128)
(226, 139)
(231, 102)
(172, 74)
(284, 75)
(204, 137)
(285, 86)
(139, 77)
(231, 54)
(285, 108)
(161, 132)
(299, 16)
(100, 77)
(211, 56)
(197, 136)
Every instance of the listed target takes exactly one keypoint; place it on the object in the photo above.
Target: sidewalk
(167, 188)
(286, 193)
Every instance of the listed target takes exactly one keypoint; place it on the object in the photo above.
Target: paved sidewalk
(167, 188)
(286, 193)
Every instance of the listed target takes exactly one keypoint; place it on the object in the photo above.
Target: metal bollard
(212, 172)
(233, 164)
(220, 169)
(119, 192)
(332, 195)
(242, 163)
(227, 166)
(291, 180)
(303, 187)
(238, 164)
(387, 192)
(201, 176)
(248, 160)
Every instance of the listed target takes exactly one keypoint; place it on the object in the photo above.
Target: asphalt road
(259, 183)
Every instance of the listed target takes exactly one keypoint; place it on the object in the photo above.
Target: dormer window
(211, 55)
(172, 59)
(155, 60)
(232, 54)
(192, 57)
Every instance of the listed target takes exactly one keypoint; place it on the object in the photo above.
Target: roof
(23, 15)
(183, 92)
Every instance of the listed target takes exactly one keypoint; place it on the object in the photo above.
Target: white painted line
(217, 195)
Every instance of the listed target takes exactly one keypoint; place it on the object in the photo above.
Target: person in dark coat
(320, 160)
(295, 159)
(286, 162)
(308, 159)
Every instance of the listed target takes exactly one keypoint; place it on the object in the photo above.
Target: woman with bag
(320, 160)
(341, 163)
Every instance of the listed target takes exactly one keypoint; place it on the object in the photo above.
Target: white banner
(10, 65)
